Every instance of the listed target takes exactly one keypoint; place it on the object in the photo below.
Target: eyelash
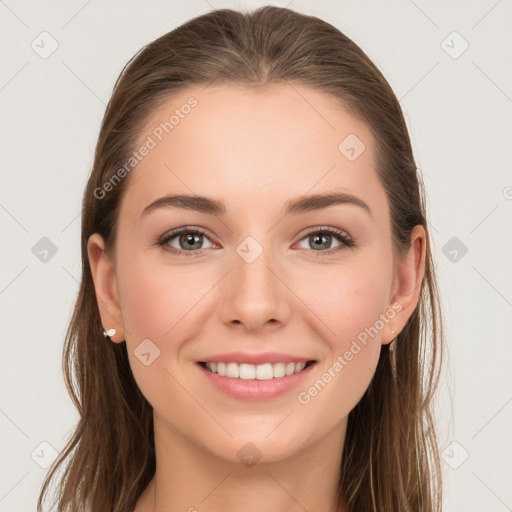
(341, 236)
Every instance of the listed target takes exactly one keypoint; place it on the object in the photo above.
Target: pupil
(188, 240)
(325, 237)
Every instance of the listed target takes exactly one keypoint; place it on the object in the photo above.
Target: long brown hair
(391, 459)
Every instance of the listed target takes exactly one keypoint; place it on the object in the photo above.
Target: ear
(105, 285)
(407, 285)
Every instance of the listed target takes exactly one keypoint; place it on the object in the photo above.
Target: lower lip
(254, 389)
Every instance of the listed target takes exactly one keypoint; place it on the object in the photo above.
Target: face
(255, 276)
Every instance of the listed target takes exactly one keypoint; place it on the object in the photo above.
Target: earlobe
(408, 283)
(105, 286)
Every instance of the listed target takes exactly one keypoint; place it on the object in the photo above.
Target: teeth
(279, 369)
(232, 370)
(263, 371)
(246, 371)
(299, 367)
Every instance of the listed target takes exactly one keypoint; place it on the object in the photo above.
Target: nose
(254, 294)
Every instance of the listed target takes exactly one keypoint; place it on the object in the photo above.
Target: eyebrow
(296, 206)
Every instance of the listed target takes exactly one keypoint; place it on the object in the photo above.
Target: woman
(258, 323)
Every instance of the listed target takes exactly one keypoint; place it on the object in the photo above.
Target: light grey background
(458, 107)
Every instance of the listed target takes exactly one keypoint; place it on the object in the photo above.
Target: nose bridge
(253, 278)
(253, 294)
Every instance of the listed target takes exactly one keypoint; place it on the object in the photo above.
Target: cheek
(145, 305)
(155, 297)
(165, 304)
(349, 303)
(353, 353)
(340, 384)
(346, 300)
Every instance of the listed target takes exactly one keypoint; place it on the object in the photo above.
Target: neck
(191, 479)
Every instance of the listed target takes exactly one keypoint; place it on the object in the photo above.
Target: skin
(253, 150)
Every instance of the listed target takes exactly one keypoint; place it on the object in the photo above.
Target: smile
(247, 371)
(247, 381)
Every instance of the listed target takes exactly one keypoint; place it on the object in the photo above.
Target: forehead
(247, 144)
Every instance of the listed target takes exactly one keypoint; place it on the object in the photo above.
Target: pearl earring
(109, 333)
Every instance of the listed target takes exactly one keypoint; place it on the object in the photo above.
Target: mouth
(260, 382)
(265, 371)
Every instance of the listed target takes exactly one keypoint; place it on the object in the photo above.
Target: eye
(188, 240)
(322, 239)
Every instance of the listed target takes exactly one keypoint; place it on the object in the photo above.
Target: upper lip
(255, 359)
